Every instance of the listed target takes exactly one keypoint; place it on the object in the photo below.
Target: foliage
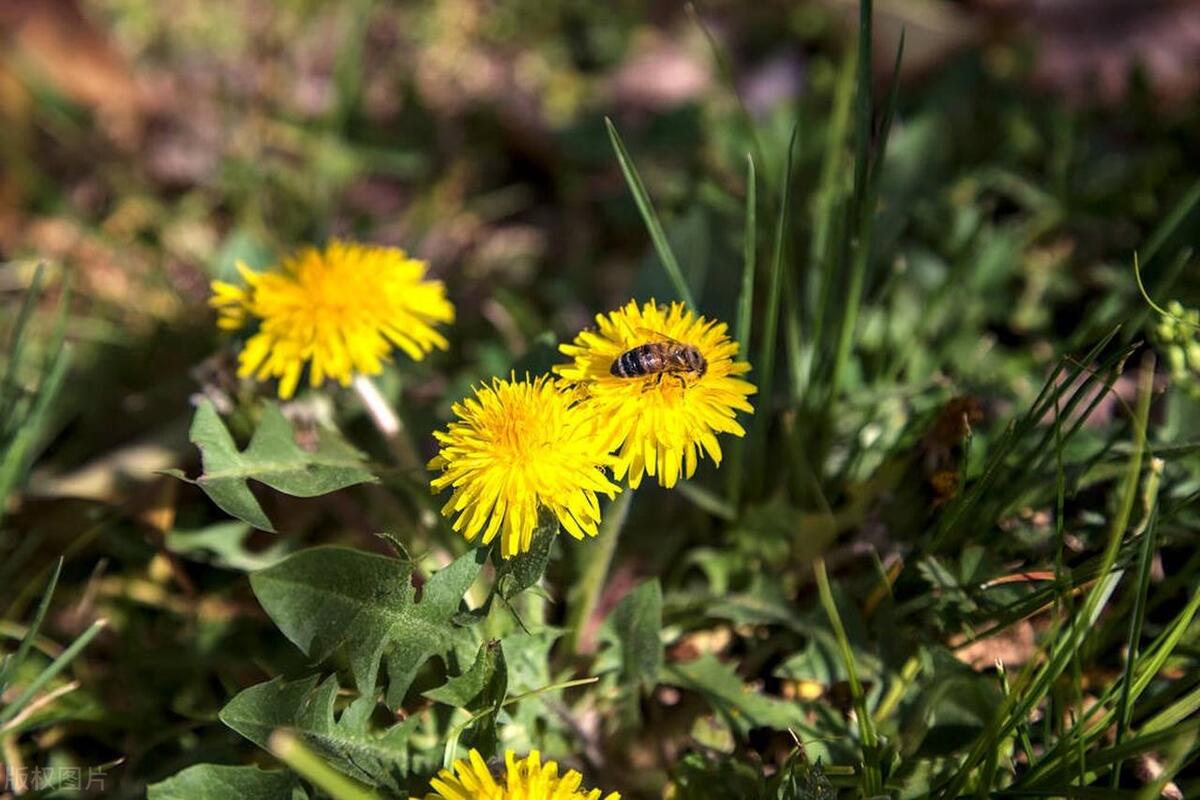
(272, 457)
(954, 555)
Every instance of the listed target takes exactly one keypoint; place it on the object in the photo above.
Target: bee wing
(659, 335)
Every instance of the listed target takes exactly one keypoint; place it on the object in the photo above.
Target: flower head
(524, 779)
(661, 424)
(517, 447)
(339, 310)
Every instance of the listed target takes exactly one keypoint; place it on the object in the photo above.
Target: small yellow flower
(516, 447)
(340, 311)
(661, 425)
(524, 779)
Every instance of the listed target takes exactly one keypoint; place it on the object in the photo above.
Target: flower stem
(387, 423)
(591, 583)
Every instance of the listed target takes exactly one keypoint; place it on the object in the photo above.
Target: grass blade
(766, 358)
(872, 776)
(743, 323)
(825, 210)
(14, 661)
(50, 672)
(650, 217)
(867, 173)
(726, 70)
(288, 749)
(1137, 618)
(1172, 221)
(16, 345)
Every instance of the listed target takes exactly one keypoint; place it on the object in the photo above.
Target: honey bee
(664, 356)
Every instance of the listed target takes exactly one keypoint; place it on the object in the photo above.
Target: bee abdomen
(633, 363)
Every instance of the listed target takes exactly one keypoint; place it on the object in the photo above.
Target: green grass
(954, 556)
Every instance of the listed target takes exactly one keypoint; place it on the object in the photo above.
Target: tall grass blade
(1171, 222)
(768, 343)
(825, 212)
(1063, 648)
(650, 217)
(744, 321)
(745, 309)
(867, 174)
(288, 748)
(14, 661)
(726, 70)
(9, 393)
(872, 776)
(51, 671)
(23, 412)
(1054, 762)
(1138, 617)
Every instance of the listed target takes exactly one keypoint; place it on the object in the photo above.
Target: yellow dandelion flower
(516, 447)
(524, 779)
(340, 311)
(660, 424)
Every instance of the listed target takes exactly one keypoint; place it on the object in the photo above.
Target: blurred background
(146, 146)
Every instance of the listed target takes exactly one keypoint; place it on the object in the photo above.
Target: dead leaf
(1012, 646)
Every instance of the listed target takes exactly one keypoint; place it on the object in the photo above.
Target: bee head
(696, 361)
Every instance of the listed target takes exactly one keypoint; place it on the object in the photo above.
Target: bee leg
(682, 380)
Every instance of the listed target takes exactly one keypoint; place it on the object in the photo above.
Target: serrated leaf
(273, 458)
(225, 544)
(346, 742)
(637, 623)
(324, 598)
(460, 690)
(480, 690)
(220, 782)
(741, 706)
(515, 575)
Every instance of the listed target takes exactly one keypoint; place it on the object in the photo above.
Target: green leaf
(515, 575)
(637, 623)
(742, 707)
(650, 217)
(288, 748)
(325, 598)
(273, 458)
(13, 662)
(480, 690)
(461, 690)
(48, 674)
(347, 743)
(220, 782)
(225, 544)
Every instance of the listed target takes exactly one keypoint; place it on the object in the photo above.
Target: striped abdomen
(645, 359)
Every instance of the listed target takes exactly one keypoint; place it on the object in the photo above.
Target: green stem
(288, 749)
(591, 583)
(872, 776)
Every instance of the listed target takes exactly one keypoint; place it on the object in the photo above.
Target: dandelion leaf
(273, 458)
(742, 708)
(636, 623)
(348, 743)
(326, 598)
(481, 691)
(220, 782)
(522, 571)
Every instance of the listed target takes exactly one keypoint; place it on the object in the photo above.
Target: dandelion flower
(524, 779)
(340, 311)
(517, 447)
(660, 425)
